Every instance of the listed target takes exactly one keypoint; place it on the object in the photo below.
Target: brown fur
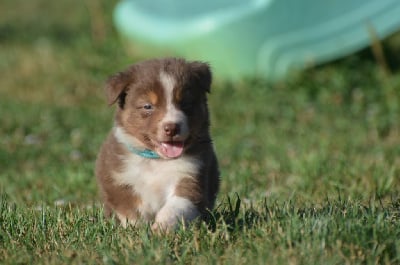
(132, 89)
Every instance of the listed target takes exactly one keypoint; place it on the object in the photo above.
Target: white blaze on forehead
(168, 83)
(172, 113)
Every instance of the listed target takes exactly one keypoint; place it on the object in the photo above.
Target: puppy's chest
(154, 180)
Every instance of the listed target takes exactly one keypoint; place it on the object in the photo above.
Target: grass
(310, 165)
(338, 232)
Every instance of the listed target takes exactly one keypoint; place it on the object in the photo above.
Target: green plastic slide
(255, 37)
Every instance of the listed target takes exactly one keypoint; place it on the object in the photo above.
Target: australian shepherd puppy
(158, 163)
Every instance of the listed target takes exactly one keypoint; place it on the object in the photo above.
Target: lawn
(310, 165)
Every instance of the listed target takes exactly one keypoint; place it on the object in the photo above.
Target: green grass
(338, 232)
(310, 165)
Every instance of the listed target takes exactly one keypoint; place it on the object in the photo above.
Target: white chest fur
(155, 180)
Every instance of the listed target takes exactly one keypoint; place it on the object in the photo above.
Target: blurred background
(286, 121)
(263, 38)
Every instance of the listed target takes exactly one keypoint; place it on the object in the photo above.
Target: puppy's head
(162, 104)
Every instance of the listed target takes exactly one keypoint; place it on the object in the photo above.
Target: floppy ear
(116, 87)
(202, 74)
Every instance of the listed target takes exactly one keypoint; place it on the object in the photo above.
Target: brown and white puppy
(158, 162)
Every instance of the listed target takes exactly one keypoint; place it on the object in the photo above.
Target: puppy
(158, 162)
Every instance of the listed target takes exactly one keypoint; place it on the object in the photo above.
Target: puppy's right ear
(116, 87)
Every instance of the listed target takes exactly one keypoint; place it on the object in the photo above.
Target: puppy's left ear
(202, 74)
(116, 86)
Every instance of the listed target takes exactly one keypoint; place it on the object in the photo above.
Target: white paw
(176, 210)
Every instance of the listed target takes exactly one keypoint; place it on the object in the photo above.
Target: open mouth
(172, 149)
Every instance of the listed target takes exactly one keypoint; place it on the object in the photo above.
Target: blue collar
(146, 153)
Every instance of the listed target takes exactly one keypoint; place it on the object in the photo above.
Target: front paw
(162, 228)
(177, 210)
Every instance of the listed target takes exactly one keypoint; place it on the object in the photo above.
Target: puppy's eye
(148, 106)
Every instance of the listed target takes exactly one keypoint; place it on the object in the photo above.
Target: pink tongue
(172, 149)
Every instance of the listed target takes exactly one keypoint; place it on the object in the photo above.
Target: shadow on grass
(236, 217)
(229, 213)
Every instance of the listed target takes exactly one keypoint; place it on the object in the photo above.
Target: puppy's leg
(176, 209)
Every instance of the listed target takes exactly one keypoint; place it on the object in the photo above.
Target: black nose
(171, 129)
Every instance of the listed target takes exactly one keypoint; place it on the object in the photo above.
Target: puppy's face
(162, 104)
